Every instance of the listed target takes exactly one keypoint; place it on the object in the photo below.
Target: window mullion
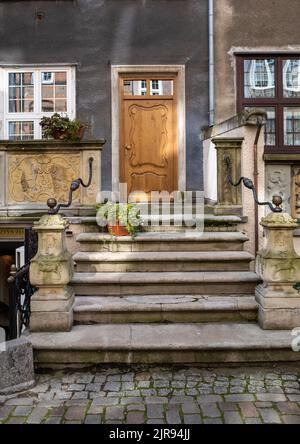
(280, 125)
(38, 106)
(279, 79)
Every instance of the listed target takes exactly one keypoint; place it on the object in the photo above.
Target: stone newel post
(279, 267)
(51, 271)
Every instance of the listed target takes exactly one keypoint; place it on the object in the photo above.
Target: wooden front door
(148, 139)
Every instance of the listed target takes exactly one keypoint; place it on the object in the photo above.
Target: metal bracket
(75, 184)
(277, 200)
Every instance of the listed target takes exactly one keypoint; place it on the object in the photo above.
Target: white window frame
(37, 114)
(157, 91)
(142, 89)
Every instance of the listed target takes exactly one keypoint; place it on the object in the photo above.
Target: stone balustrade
(51, 271)
(278, 264)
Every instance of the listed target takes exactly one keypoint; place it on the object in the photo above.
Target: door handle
(127, 147)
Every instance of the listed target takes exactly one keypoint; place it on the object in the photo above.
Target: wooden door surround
(148, 132)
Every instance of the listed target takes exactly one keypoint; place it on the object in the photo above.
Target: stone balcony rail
(33, 171)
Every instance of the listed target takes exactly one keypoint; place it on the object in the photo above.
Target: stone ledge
(50, 145)
(164, 337)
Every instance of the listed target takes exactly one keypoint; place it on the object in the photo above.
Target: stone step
(163, 223)
(167, 308)
(160, 241)
(179, 221)
(167, 261)
(160, 344)
(120, 284)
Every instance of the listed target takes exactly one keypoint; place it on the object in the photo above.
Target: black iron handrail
(75, 184)
(248, 183)
(20, 293)
(20, 289)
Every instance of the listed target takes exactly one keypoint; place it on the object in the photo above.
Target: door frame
(116, 70)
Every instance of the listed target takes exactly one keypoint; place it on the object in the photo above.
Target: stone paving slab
(159, 395)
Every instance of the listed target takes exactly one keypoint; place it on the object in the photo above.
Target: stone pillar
(278, 264)
(229, 197)
(51, 271)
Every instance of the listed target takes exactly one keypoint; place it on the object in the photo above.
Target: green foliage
(61, 127)
(127, 215)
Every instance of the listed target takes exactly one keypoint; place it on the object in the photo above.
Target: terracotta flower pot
(117, 230)
(60, 135)
(80, 133)
(63, 135)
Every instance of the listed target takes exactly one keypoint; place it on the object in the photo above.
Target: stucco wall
(256, 25)
(247, 133)
(95, 34)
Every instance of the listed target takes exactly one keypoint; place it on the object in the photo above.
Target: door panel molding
(157, 70)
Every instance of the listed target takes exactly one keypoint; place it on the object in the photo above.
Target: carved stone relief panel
(227, 194)
(33, 178)
(295, 194)
(89, 195)
(278, 182)
(2, 179)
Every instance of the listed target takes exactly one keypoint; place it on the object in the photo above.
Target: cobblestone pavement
(159, 395)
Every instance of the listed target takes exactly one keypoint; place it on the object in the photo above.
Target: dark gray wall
(97, 33)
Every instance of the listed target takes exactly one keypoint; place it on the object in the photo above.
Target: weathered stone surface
(229, 198)
(278, 183)
(279, 266)
(16, 365)
(50, 271)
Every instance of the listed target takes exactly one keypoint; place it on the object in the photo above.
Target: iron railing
(20, 289)
(248, 183)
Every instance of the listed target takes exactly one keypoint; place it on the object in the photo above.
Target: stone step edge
(115, 304)
(158, 337)
(172, 256)
(164, 278)
(189, 236)
(211, 218)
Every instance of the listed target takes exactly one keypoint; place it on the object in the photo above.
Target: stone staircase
(165, 297)
(163, 277)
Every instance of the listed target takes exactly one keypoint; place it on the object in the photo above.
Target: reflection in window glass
(259, 78)
(21, 92)
(292, 126)
(21, 130)
(161, 88)
(135, 87)
(270, 128)
(291, 78)
(54, 91)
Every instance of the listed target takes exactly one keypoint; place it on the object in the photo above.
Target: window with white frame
(31, 93)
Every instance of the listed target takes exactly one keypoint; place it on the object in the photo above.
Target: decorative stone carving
(51, 270)
(37, 177)
(278, 264)
(278, 183)
(89, 195)
(254, 116)
(2, 179)
(34, 171)
(229, 197)
(295, 191)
